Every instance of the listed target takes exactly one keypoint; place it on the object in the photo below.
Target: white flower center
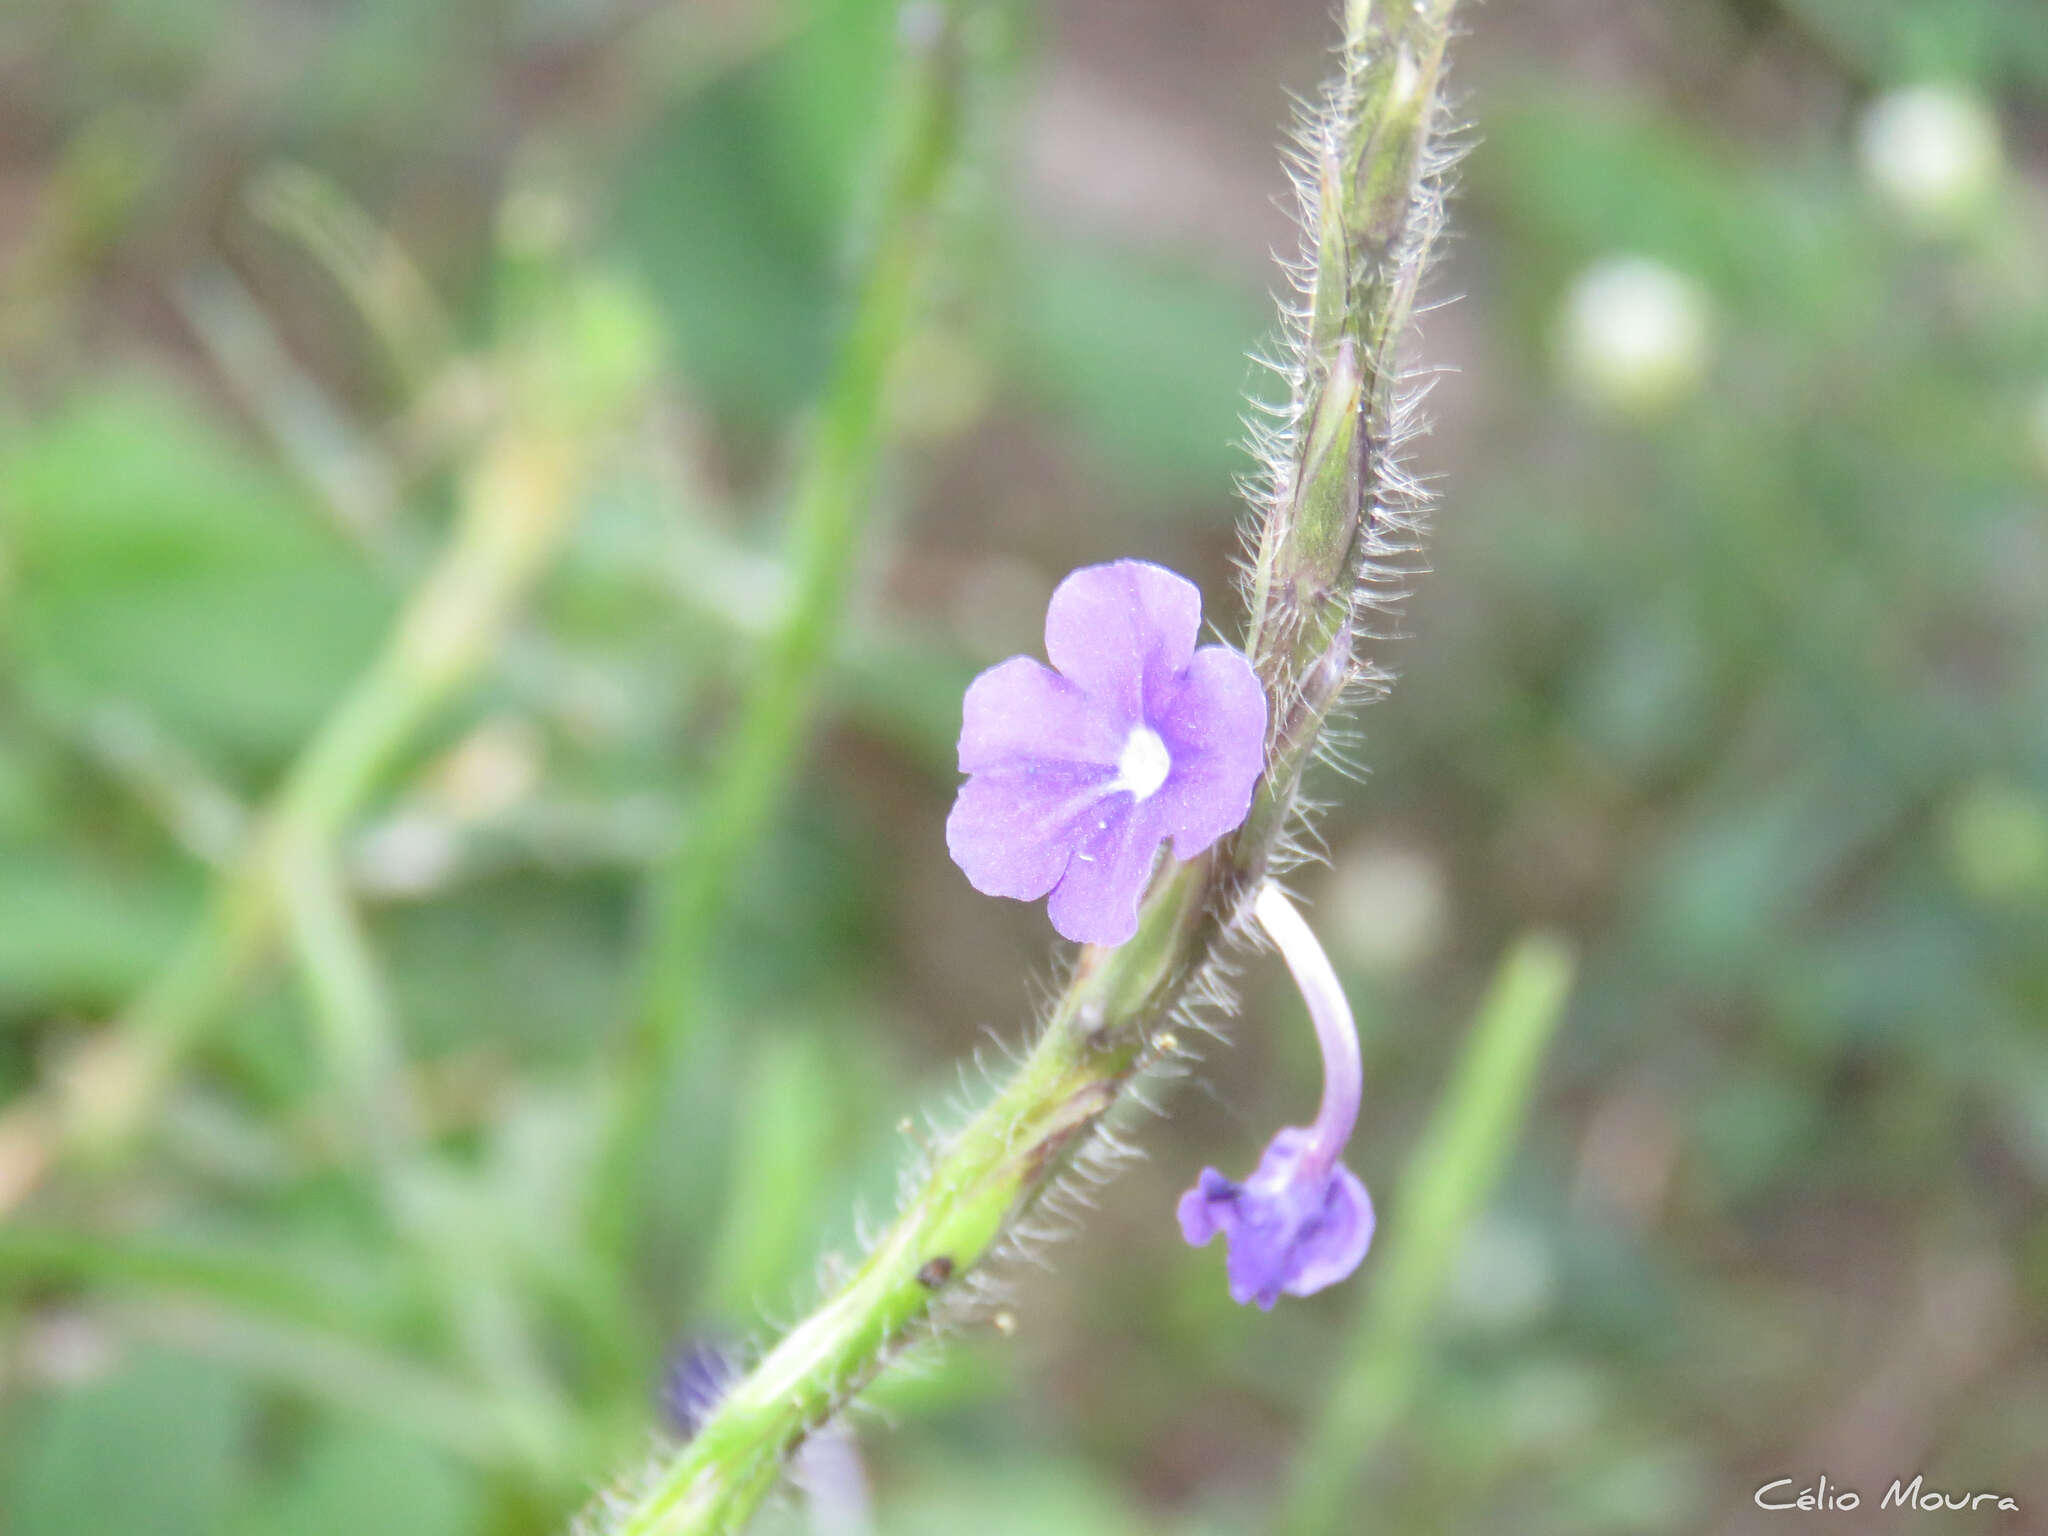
(1144, 763)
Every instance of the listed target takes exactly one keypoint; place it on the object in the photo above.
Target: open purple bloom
(1302, 1220)
(1079, 771)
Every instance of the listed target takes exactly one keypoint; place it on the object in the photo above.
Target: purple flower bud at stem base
(1302, 1221)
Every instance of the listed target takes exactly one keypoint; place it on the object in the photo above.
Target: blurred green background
(1733, 668)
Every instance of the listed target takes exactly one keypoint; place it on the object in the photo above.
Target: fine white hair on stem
(1331, 546)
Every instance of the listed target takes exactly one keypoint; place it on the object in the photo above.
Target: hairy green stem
(1460, 1160)
(1099, 1034)
(1334, 513)
(830, 506)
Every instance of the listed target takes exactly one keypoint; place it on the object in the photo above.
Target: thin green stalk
(366, 261)
(293, 1323)
(1334, 515)
(1454, 1172)
(1006, 1156)
(35, 1257)
(351, 1005)
(516, 508)
(353, 1012)
(363, 1380)
(314, 436)
(326, 1334)
(830, 512)
(356, 1020)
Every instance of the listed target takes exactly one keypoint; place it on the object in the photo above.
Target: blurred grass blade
(517, 505)
(351, 1005)
(785, 1132)
(1454, 1172)
(35, 1257)
(315, 438)
(96, 190)
(831, 505)
(363, 258)
(389, 1389)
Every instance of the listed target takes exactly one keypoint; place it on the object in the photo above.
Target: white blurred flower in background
(408, 854)
(1635, 336)
(1390, 906)
(1504, 1277)
(1931, 152)
(489, 772)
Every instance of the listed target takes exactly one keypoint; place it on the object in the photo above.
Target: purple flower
(827, 1465)
(1302, 1220)
(696, 1377)
(1077, 775)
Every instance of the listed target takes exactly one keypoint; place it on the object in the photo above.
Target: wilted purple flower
(1302, 1220)
(1078, 774)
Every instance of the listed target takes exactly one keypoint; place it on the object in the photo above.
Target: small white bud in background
(1547, 1404)
(1931, 152)
(64, 1347)
(488, 772)
(407, 854)
(1635, 336)
(592, 705)
(921, 24)
(1503, 1278)
(1389, 906)
(534, 221)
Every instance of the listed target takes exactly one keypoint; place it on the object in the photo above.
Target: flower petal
(1013, 833)
(1122, 631)
(1290, 1228)
(1334, 1245)
(1208, 1208)
(1213, 720)
(698, 1376)
(1096, 901)
(1021, 712)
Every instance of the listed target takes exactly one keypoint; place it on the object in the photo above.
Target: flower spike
(1302, 1221)
(1079, 771)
